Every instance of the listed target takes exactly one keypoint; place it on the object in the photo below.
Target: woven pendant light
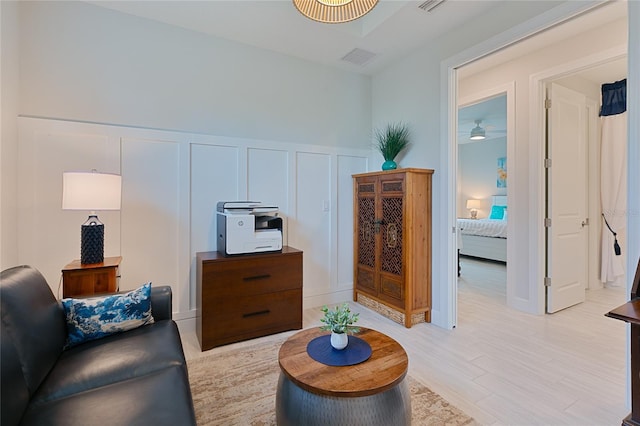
(334, 11)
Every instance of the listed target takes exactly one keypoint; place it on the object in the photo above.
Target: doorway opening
(482, 199)
(526, 272)
(573, 177)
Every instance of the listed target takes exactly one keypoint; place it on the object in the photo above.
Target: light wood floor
(505, 367)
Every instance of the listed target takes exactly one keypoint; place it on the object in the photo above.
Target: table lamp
(473, 206)
(91, 191)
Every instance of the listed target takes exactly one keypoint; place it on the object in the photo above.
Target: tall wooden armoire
(392, 243)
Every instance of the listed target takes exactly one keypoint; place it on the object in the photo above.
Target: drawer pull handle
(256, 277)
(253, 314)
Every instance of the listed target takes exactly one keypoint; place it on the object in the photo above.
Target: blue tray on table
(357, 351)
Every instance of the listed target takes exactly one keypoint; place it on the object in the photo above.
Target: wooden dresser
(392, 243)
(241, 297)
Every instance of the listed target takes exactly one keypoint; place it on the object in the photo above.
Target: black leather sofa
(137, 377)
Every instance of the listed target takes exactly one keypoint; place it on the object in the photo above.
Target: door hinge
(547, 222)
(453, 229)
(547, 103)
(547, 281)
(547, 163)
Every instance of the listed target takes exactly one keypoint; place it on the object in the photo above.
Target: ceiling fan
(478, 133)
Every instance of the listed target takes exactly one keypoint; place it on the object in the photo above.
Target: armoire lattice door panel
(366, 236)
(391, 256)
(367, 240)
(392, 243)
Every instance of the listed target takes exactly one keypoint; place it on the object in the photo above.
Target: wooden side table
(95, 278)
(373, 392)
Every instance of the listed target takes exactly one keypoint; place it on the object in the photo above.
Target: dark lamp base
(92, 244)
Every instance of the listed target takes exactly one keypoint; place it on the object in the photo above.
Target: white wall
(171, 184)
(520, 71)
(410, 90)
(580, 84)
(87, 63)
(166, 95)
(477, 162)
(188, 120)
(9, 72)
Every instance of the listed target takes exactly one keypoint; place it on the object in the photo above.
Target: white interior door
(567, 184)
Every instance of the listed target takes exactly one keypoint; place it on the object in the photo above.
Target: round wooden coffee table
(373, 392)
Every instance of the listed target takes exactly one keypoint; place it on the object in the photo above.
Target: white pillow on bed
(504, 214)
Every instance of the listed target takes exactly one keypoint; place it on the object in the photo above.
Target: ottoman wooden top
(386, 367)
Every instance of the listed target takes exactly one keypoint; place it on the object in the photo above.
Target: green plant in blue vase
(390, 141)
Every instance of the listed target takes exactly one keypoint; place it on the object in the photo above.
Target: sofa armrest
(161, 307)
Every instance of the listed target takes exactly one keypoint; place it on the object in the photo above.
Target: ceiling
(492, 112)
(391, 30)
(609, 12)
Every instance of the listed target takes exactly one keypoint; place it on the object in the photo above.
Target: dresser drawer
(253, 276)
(234, 319)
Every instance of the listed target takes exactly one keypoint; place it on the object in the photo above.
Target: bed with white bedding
(485, 238)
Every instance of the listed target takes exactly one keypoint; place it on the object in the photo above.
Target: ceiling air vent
(358, 56)
(429, 5)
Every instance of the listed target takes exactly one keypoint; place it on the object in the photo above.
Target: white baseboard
(187, 325)
(327, 299)
(186, 321)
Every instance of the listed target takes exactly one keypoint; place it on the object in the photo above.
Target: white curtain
(613, 193)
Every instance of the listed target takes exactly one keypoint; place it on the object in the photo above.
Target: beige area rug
(238, 387)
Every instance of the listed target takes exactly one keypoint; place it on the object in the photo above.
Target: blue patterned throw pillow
(96, 317)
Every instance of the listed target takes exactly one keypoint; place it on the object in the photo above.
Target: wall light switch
(325, 205)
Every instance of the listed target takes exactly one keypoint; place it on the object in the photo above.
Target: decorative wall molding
(171, 184)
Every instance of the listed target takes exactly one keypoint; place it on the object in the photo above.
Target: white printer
(248, 227)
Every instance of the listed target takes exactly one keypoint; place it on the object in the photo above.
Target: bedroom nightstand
(86, 280)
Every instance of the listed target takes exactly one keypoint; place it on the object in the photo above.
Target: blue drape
(614, 98)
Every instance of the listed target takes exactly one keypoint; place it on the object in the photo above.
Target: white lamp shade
(473, 204)
(91, 191)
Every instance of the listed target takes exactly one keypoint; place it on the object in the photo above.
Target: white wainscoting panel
(49, 237)
(171, 184)
(311, 230)
(152, 215)
(347, 166)
(268, 180)
(214, 177)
